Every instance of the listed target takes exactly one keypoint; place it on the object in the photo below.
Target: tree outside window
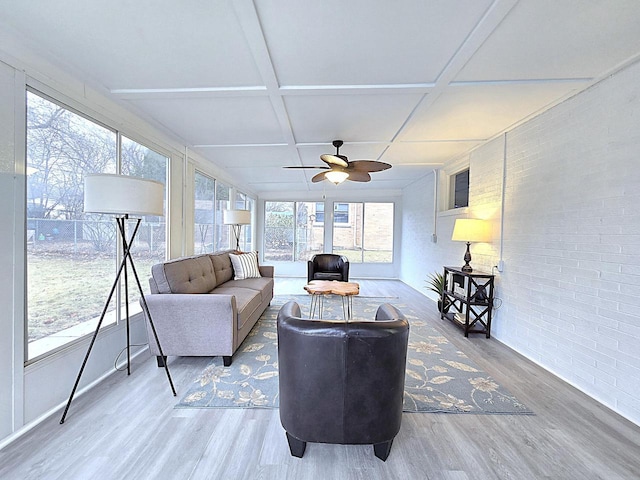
(72, 256)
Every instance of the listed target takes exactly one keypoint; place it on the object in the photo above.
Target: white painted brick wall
(572, 249)
(571, 284)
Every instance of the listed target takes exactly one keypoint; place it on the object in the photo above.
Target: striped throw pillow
(245, 265)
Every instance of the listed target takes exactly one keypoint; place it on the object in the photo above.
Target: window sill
(51, 344)
(454, 211)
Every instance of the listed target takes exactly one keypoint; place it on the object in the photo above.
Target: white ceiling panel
(225, 121)
(310, 154)
(255, 85)
(271, 174)
(337, 42)
(402, 173)
(355, 118)
(125, 44)
(558, 39)
(479, 112)
(425, 153)
(250, 156)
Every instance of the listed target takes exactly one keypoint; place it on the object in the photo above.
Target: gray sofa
(198, 309)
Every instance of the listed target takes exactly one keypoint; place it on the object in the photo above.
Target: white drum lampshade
(236, 217)
(122, 194)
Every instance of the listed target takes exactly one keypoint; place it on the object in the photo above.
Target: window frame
(358, 218)
(460, 178)
(118, 311)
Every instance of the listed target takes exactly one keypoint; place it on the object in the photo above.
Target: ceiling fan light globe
(336, 176)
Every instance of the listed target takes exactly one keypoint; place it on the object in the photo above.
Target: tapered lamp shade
(471, 230)
(236, 217)
(122, 194)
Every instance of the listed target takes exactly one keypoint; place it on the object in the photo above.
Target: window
(340, 213)
(150, 247)
(278, 231)
(243, 202)
(222, 232)
(368, 237)
(319, 218)
(72, 256)
(204, 213)
(459, 190)
(292, 232)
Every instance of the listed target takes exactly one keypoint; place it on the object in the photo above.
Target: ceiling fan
(340, 168)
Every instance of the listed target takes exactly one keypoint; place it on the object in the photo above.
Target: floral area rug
(439, 377)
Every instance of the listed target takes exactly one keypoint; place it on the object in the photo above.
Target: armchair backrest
(342, 382)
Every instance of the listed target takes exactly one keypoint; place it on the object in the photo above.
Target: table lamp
(470, 230)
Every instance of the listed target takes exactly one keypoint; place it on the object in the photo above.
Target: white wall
(572, 242)
(9, 237)
(420, 256)
(570, 289)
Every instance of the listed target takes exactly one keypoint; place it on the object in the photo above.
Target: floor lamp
(122, 196)
(236, 218)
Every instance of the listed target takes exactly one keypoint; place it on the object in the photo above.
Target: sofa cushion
(245, 265)
(185, 275)
(264, 285)
(247, 301)
(222, 267)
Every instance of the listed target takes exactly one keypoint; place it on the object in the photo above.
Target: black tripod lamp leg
(93, 340)
(148, 314)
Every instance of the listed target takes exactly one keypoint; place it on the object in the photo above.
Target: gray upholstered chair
(341, 382)
(328, 266)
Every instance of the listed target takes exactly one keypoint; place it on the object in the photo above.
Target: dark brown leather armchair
(341, 382)
(328, 266)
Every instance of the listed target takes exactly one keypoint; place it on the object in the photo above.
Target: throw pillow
(245, 265)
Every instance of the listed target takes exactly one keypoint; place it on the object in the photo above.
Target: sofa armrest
(266, 270)
(192, 324)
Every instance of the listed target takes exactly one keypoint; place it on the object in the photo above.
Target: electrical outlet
(500, 265)
(434, 238)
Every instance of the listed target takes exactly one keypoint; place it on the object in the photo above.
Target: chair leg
(296, 447)
(382, 450)
(161, 361)
(226, 359)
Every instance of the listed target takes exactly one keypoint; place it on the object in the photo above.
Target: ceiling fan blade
(322, 168)
(359, 176)
(368, 166)
(333, 160)
(318, 177)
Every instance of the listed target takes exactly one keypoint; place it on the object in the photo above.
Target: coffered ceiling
(253, 86)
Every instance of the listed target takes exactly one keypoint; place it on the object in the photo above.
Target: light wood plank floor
(127, 428)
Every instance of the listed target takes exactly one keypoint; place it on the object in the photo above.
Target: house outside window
(367, 237)
(340, 212)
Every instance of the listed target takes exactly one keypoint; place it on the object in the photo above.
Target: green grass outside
(64, 290)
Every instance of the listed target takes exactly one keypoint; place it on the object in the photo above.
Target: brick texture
(570, 290)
